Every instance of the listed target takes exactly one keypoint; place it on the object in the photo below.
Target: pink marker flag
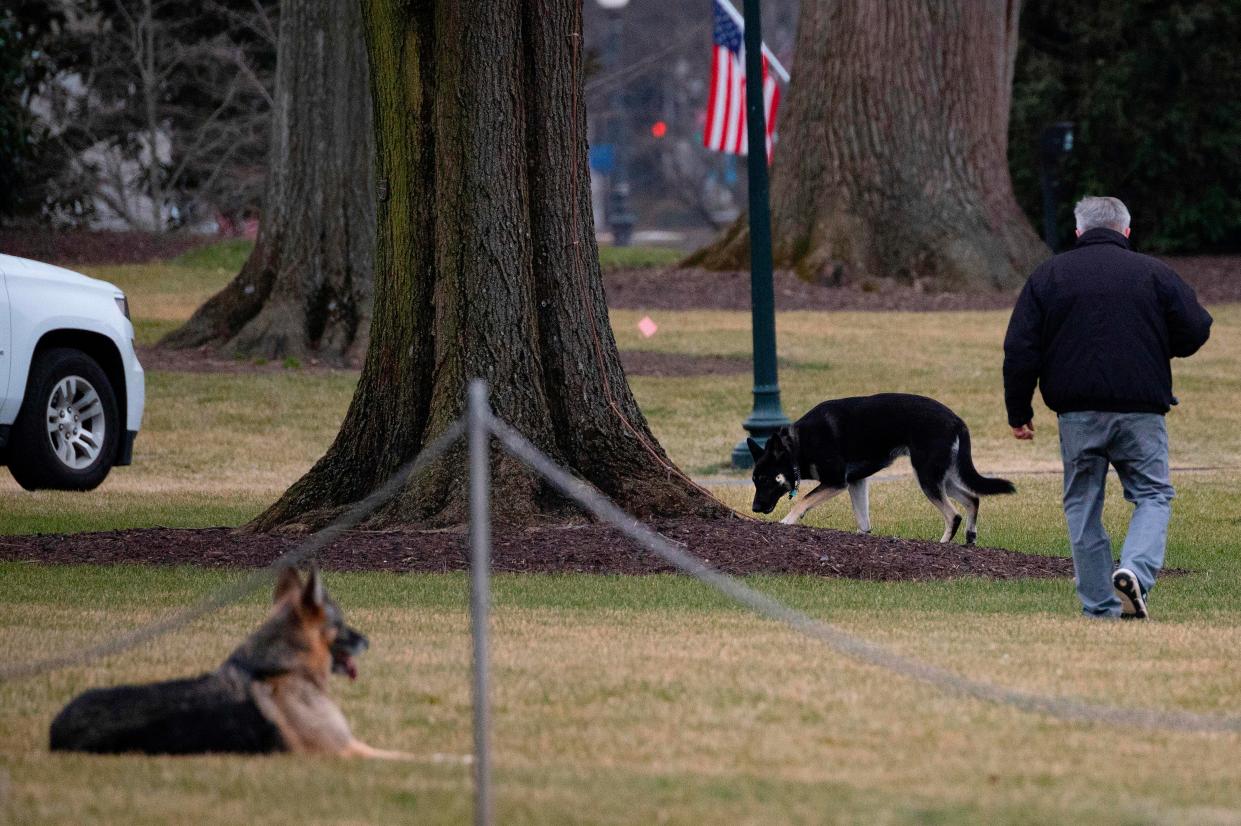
(647, 326)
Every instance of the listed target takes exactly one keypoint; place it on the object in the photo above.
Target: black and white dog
(842, 442)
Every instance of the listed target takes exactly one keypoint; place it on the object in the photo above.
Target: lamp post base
(766, 418)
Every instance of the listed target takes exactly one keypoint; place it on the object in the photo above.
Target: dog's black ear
(777, 444)
(287, 582)
(312, 594)
(755, 450)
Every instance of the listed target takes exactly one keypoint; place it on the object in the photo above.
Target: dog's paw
(970, 536)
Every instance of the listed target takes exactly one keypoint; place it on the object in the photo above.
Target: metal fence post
(767, 415)
(480, 567)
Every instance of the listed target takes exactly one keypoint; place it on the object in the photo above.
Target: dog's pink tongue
(351, 668)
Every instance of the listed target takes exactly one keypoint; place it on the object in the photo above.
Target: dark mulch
(1217, 280)
(643, 363)
(86, 248)
(736, 546)
(637, 363)
(688, 289)
(209, 360)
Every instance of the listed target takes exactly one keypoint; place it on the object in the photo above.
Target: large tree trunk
(486, 267)
(892, 160)
(306, 290)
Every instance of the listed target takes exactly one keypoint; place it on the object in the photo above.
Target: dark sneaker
(1132, 600)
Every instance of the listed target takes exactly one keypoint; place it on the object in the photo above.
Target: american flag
(725, 129)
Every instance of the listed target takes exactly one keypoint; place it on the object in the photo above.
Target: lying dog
(270, 695)
(844, 441)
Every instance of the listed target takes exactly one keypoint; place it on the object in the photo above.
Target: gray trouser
(1136, 444)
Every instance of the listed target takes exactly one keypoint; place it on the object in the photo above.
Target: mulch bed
(735, 546)
(209, 360)
(1216, 278)
(84, 248)
(643, 363)
(636, 362)
(696, 289)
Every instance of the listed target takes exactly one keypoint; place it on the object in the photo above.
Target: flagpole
(767, 414)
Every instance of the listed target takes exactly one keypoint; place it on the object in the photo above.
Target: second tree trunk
(486, 268)
(306, 290)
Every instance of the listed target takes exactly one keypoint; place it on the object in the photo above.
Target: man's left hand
(1025, 433)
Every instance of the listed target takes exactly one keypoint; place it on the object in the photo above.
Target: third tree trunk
(892, 154)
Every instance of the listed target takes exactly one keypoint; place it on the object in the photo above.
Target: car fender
(6, 350)
(39, 305)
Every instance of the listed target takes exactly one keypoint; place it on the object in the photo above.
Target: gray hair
(1093, 211)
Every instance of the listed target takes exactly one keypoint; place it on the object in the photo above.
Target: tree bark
(306, 290)
(486, 267)
(892, 159)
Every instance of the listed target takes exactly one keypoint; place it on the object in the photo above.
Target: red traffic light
(659, 128)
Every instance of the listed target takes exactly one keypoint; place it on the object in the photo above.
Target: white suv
(71, 388)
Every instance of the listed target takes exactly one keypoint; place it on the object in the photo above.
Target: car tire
(66, 432)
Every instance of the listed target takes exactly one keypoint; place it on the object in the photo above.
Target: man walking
(1095, 328)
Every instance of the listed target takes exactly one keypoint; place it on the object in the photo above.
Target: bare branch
(160, 110)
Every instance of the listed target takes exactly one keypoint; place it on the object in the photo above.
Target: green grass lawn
(165, 293)
(642, 700)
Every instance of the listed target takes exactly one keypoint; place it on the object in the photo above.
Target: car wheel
(66, 433)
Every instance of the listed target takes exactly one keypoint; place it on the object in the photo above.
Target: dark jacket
(1096, 328)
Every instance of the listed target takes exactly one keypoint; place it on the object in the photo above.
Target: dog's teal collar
(796, 480)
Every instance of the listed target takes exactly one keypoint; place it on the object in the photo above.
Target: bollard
(479, 431)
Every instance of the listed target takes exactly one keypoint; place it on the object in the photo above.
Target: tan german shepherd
(270, 695)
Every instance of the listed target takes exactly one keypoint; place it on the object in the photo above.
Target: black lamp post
(1055, 142)
(767, 414)
(619, 216)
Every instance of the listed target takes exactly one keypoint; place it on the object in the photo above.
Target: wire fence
(230, 594)
(482, 426)
(840, 640)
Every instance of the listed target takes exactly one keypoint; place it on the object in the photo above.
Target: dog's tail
(969, 475)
